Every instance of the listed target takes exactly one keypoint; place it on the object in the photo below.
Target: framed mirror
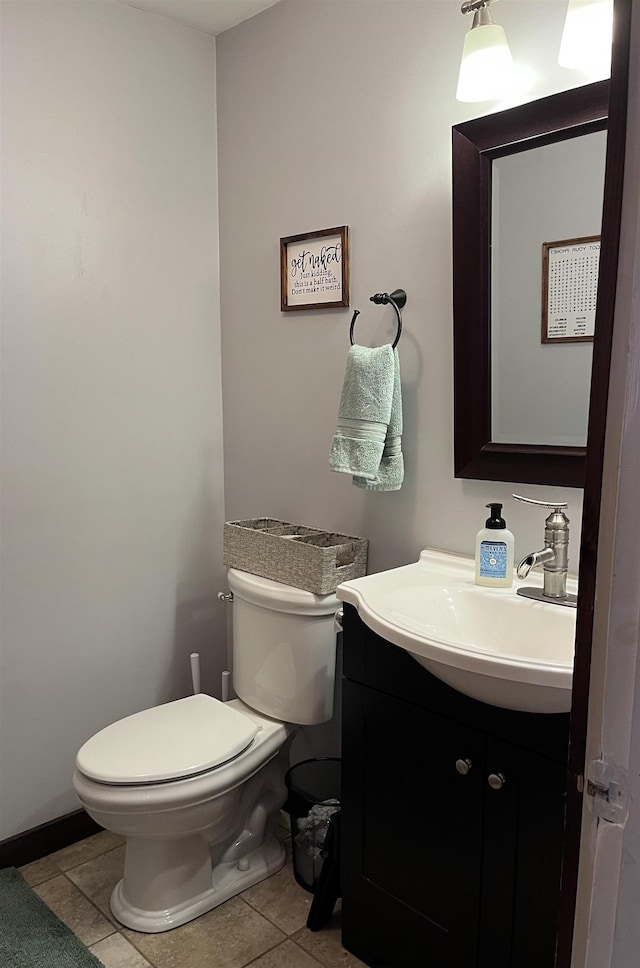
(520, 189)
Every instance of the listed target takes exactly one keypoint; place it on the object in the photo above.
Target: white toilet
(196, 785)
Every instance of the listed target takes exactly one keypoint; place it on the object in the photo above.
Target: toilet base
(227, 881)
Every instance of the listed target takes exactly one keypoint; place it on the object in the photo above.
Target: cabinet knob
(463, 766)
(496, 781)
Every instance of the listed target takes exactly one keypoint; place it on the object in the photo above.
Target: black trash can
(313, 800)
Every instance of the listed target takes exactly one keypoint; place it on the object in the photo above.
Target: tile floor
(265, 927)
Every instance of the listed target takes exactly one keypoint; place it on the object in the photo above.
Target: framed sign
(569, 289)
(314, 270)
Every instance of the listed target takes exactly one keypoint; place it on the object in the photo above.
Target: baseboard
(39, 841)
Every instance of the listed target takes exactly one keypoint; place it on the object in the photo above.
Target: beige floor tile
(86, 849)
(286, 955)
(116, 952)
(326, 945)
(39, 871)
(97, 878)
(63, 860)
(72, 907)
(230, 936)
(281, 900)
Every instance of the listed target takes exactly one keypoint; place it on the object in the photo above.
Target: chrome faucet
(554, 557)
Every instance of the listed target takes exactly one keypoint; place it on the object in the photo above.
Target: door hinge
(608, 785)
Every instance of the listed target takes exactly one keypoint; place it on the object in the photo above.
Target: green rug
(31, 936)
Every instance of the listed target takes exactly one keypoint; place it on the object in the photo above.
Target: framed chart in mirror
(569, 289)
(476, 145)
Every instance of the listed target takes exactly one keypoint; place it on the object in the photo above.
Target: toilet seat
(170, 742)
(170, 798)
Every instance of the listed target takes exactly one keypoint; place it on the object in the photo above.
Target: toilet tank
(284, 649)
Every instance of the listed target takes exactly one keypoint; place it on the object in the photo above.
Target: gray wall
(341, 113)
(112, 503)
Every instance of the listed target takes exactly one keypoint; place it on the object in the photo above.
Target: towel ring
(397, 299)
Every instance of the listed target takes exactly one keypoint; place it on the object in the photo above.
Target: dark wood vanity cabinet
(452, 818)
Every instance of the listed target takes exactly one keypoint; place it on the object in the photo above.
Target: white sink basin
(488, 643)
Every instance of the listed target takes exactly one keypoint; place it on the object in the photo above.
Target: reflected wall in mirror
(540, 390)
(523, 177)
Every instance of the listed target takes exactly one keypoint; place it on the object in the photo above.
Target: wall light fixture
(586, 38)
(486, 69)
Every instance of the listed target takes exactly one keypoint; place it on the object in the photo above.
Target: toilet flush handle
(225, 596)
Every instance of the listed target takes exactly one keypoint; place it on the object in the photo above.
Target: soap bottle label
(493, 559)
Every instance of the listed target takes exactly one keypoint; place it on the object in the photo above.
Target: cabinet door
(416, 869)
(522, 856)
(539, 861)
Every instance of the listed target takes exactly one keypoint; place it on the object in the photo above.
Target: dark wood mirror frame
(474, 146)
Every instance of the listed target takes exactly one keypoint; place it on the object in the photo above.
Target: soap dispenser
(494, 551)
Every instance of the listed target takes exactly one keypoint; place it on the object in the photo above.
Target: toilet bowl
(196, 785)
(172, 872)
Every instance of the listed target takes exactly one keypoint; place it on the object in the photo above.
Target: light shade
(586, 38)
(486, 70)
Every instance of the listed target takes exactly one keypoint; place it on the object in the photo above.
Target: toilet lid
(168, 742)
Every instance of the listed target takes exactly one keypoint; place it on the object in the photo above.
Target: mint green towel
(368, 438)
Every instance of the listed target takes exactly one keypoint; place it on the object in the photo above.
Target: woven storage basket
(294, 554)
